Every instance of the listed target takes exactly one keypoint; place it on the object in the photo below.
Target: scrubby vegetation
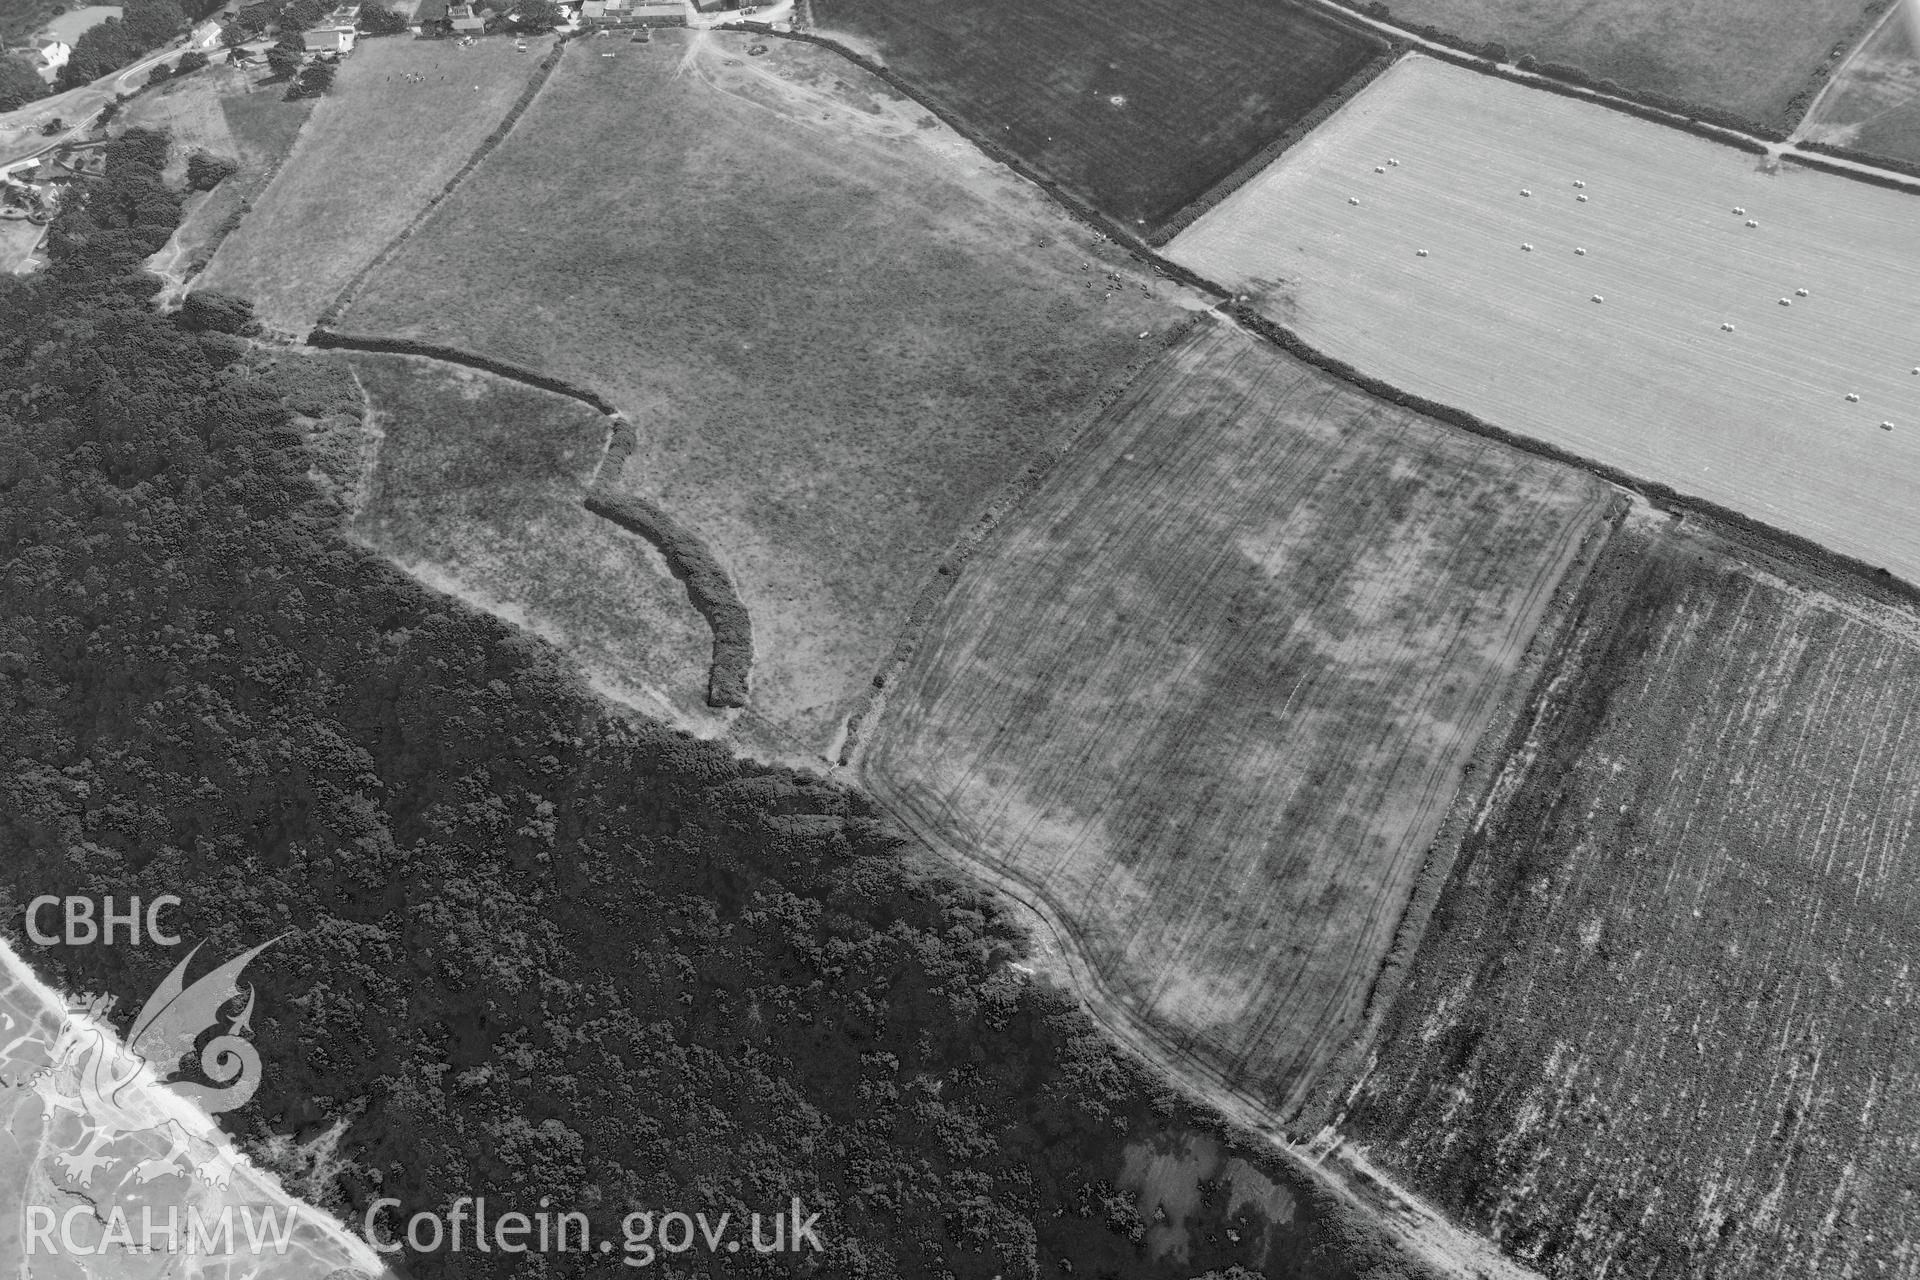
(19, 82)
(708, 586)
(530, 951)
(145, 25)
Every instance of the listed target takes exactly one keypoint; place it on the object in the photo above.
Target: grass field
(477, 492)
(1647, 381)
(1662, 1021)
(1136, 108)
(223, 110)
(1210, 692)
(1874, 104)
(1752, 59)
(838, 329)
(376, 149)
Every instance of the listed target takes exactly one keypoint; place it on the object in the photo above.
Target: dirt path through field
(1811, 117)
(1417, 1226)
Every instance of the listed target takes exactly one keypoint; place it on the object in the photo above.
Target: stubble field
(376, 149)
(1647, 380)
(1750, 58)
(1662, 1022)
(1210, 692)
(477, 491)
(1136, 108)
(837, 328)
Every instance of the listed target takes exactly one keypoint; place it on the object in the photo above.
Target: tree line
(533, 949)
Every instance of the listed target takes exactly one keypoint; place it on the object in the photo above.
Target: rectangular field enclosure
(1662, 1020)
(1209, 694)
(1632, 294)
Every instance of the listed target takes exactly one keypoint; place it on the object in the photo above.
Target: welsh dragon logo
(123, 1095)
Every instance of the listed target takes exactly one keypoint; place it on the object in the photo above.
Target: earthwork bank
(379, 146)
(837, 328)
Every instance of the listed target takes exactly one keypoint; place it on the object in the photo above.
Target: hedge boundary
(541, 74)
(330, 339)
(1907, 167)
(1886, 180)
(1668, 116)
(1009, 499)
(1791, 547)
(1612, 92)
(1296, 132)
(687, 554)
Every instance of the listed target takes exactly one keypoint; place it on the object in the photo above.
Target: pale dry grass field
(1209, 693)
(477, 492)
(375, 151)
(1647, 380)
(838, 329)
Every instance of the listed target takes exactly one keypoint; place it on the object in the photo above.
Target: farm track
(1071, 706)
(1448, 1249)
(1662, 1021)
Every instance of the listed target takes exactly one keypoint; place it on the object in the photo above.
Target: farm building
(52, 55)
(336, 33)
(204, 36)
(328, 39)
(462, 18)
(635, 13)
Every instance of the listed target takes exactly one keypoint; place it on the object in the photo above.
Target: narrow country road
(20, 135)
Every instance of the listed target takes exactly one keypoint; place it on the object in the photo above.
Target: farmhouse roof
(469, 24)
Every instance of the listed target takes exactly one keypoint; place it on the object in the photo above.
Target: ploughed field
(476, 489)
(838, 329)
(1619, 354)
(1209, 693)
(1662, 1022)
(377, 147)
(1137, 107)
(1755, 58)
